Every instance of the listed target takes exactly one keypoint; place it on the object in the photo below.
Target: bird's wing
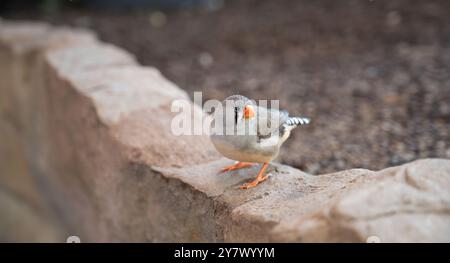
(269, 121)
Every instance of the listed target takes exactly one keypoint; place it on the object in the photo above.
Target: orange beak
(249, 112)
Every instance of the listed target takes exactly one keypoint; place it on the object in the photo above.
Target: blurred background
(372, 75)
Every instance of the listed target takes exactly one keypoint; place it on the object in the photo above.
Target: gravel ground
(372, 75)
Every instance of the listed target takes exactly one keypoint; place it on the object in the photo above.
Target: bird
(250, 134)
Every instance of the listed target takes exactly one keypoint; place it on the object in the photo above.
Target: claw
(253, 183)
(259, 178)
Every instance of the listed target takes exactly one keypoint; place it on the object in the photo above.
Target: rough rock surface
(87, 150)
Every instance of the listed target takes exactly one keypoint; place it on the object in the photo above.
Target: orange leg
(237, 165)
(259, 178)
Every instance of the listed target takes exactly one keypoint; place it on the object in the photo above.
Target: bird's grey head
(237, 98)
(239, 108)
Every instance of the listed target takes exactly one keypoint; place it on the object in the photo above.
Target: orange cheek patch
(249, 112)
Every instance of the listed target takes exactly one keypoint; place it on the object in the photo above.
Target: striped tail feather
(296, 121)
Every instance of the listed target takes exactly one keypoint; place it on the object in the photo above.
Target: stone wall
(86, 150)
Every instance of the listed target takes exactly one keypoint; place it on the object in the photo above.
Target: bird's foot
(237, 165)
(259, 178)
(254, 182)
